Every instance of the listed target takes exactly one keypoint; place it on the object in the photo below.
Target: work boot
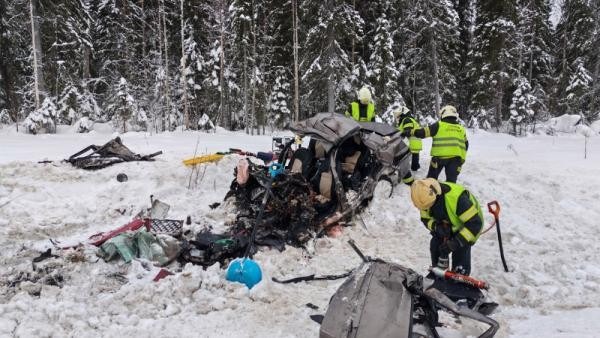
(460, 270)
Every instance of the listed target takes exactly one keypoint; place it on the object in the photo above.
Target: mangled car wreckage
(320, 185)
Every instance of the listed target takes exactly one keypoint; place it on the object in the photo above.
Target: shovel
(494, 209)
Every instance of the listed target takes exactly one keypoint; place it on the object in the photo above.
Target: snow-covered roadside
(548, 192)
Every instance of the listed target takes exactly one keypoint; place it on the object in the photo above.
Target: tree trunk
(161, 112)
(245, 75)
(331, 76)
(436, 77)
(228, 119)
(434, 64)
(167, 84)
(498, 105)
(254, 82)
(183, 76)
(36, 44)
(463, 9)
(295, 41)
(11, 104)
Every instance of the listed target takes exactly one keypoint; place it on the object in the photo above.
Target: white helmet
(448, 111)
(399, 111)
(364, 95)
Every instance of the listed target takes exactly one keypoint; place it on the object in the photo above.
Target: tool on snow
(263, 156)
(450, 275)
(203, 159)
(494, 209)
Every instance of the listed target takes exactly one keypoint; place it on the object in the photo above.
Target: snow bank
(548, 192)
(596, 127)
(564, 123)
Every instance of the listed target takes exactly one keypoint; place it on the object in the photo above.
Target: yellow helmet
(424, 192)
(448, 111)
(364, 95)
(402, 110)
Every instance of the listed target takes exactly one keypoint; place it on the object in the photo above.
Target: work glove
(405, 133)
(449, 246)
(442, 230)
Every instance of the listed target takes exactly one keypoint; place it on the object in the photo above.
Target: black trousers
(461, 258)
(452, 166)
(415, 162)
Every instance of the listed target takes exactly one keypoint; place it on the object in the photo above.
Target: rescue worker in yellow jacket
(405, 124)
(450, 144)
(453, 217)
(362, 110)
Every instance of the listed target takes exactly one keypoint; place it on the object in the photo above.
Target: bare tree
(295, 42)
(184, 92)
(36, 44)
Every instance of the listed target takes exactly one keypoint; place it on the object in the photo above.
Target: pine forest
(260, 65)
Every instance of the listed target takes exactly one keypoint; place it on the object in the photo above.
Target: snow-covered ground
(550, 221)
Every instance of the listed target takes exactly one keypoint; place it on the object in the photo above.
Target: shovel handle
(494, 209)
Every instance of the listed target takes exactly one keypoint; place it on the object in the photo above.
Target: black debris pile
(292, 213)
(114, 151)
(308, 191)
(207, 248)
(45, 269)
(291, 216)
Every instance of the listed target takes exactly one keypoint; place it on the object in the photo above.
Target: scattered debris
(103, 156)
(162, 274)
(386, 300)
(44, 255)
(312, 306)
(142, 244)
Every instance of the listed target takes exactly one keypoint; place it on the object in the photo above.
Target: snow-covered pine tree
(574, 43)
(126, 114)
(76, 103)
(493, 62)
(579, 90)
(42, 120)
(217, 82)
(279, 115)
(326, 68)
(243, 29)
(466, 21)
(382, 70)
(521, 107)
(191, 65)
(431, 46)
(535, 43)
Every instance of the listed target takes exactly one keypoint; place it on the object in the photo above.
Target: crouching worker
(453, 217)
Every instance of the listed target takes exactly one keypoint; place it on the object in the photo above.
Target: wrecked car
(320, 185)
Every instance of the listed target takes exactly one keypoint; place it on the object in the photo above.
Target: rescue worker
(406, 123)
(453, 217)
(362, 110)
(450, 144)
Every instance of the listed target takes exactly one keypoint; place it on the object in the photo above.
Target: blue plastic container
(245, 271)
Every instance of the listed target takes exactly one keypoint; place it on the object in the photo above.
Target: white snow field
(550, 222)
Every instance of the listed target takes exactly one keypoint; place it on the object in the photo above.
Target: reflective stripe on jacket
(414, 144)
(469, 224)
(449, 141)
